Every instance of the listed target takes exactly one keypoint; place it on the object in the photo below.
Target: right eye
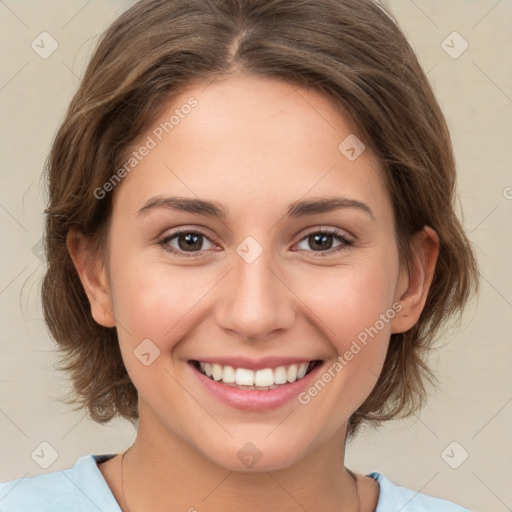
(186, 241)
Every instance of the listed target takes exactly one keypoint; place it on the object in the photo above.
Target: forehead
(250, 140)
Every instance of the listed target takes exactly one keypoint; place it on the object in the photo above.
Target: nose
(256, 302)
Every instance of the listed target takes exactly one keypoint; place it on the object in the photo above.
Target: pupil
(319, 239)
(191, 241)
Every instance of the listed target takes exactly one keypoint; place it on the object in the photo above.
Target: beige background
(473, 403)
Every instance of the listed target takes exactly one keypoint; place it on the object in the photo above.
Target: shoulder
(393, 498)
(81, 487)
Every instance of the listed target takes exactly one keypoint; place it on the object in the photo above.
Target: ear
(413, 285)
(92, 272)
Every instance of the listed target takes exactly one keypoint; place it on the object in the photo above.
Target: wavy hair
(353, 52)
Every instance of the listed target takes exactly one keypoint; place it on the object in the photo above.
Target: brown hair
(351, 51)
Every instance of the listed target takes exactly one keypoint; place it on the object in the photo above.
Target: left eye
(188, 241)
(323, 241)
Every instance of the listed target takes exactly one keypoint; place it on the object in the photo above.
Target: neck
(163, 472)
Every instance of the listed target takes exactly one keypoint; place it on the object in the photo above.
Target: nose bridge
(256, 302)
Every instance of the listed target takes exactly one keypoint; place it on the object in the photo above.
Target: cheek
(150, 302)
(156, 301)
(354, 307)
(348, 299)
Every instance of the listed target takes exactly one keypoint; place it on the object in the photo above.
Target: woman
(251, 243)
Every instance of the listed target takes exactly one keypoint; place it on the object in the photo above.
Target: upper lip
(256, 364)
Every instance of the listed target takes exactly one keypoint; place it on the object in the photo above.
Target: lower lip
(254, 400)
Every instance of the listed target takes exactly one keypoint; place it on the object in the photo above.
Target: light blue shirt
(82, 488)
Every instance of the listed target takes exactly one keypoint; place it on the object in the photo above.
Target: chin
(255, 457)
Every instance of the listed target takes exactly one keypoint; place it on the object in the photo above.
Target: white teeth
(217, 371)
(303, 368)
(244, 377)
(291, 373)
(266, 378)
(229, 374)
(280, 375)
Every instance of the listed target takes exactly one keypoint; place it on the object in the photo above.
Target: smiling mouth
(257, 380)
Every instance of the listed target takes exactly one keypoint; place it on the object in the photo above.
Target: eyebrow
(214, 209)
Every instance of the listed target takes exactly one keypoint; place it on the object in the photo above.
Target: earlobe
(91, 270)
(413, 286)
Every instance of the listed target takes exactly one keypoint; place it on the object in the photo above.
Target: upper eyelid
(197, 231)
(327, 229)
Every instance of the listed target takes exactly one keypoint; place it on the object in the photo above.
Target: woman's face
(302, 266)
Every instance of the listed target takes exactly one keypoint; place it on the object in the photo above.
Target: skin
(254, 145)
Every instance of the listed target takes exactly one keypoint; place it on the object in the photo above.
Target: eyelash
(345, 242)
